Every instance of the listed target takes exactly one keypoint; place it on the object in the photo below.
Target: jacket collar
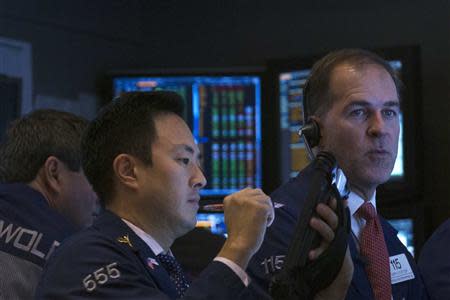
(112, 226)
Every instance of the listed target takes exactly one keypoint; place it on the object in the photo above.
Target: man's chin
(188, 226)
(369, 180)
(378, 179)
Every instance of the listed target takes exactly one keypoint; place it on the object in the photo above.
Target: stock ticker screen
(293, 151)
(214, 222)
(224, 115)
(405, 229)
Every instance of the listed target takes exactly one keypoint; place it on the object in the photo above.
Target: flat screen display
(224, 115)
(214, 222)
(405, 228)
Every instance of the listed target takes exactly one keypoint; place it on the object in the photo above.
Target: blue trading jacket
(288, 200)
(108, 260)
(30, 231)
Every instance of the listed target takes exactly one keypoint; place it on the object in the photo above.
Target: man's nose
(198, 180)
(377, 125)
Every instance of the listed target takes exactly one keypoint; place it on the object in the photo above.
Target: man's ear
(319, 124)
(125, 170)
(51, 174)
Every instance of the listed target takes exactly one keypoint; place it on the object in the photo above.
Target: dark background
(74, 43)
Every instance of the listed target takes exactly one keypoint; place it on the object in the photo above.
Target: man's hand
(337, 290)
(325, 226)
(247, 214)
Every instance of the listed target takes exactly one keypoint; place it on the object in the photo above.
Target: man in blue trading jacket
(434, 263)
(353, 96)
(44, 196)
(143, 163)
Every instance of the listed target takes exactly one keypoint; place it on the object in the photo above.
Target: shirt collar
(147, 238)
(355, 201)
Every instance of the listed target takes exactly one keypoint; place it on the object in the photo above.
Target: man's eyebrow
(189, 149)
(365, 103)
(392, 103)
(354, 103)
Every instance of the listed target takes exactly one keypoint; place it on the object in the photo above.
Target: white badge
(400, 269)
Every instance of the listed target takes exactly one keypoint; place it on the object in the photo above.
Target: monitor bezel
(106, 92)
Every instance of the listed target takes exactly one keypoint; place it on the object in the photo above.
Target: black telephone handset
(300, 277)
(310, 133)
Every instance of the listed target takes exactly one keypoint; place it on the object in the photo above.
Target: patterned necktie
(373, 248)
(175, 272)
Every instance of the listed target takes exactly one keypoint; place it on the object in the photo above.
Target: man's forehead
(190, 148)
(358, 71)
(358, 66)
(171, 126)
(178, 143)
(362, 83)
(174, 133)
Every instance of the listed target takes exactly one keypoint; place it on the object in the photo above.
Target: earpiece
(311, 133)
(310, 130)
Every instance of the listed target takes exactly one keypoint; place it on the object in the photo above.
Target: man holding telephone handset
(352, 96)
(142, 160)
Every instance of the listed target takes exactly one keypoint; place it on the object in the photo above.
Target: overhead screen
(405, 232)
(223, 112)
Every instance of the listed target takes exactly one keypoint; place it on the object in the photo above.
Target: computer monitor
(214, 222)
(223, 111)
(405, 228)
(10, 89)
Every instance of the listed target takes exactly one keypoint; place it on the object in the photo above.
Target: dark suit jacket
(108, 260)
(360, 287)
(434, 263)
(288, 200)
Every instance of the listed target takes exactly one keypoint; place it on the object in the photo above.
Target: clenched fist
(247, 215)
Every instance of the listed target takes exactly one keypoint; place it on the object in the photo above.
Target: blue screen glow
(224, 115)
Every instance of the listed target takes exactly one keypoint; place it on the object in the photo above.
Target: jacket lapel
(155, 268)
(126, 237)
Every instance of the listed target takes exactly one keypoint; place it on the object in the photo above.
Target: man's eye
(358, 112)
(389, 113)
(184, 161)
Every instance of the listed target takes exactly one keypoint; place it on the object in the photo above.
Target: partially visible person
(144, 164)
(44, 195)
(434, 263)
(353, 96)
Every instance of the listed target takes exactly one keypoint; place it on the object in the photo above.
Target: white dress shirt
(157, 249)
(358, 223)
(354, 203)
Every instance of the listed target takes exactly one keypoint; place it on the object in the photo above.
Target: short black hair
(125, 125)
(31, 139)
(317, 98)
